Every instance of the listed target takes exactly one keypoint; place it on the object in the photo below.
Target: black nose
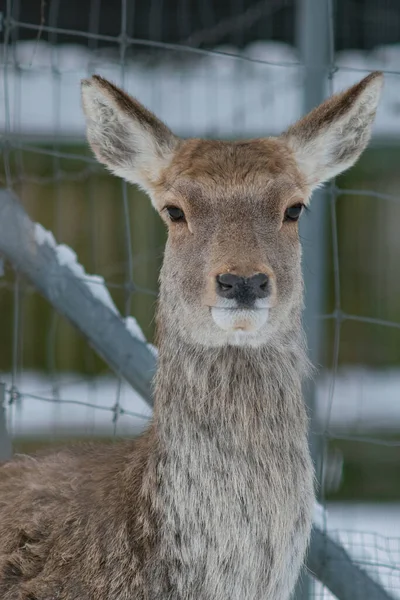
(245, 290)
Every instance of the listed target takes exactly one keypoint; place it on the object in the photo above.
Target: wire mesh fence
(227, 79)
(376, 553)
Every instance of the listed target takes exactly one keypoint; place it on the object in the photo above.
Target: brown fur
(214, 501)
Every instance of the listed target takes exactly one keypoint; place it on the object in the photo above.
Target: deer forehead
(231, 176)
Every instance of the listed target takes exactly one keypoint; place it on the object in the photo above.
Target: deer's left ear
(331, 138)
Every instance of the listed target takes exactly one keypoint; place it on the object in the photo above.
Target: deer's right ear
(124, 135)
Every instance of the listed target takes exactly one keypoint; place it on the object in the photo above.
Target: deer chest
(236, 525)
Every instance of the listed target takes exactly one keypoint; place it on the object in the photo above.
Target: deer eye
(293, 212)
(175, 214)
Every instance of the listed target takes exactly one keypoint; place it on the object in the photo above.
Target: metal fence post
(5, 442)
(314, 44)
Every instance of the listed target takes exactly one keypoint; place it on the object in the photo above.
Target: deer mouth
(236, 319)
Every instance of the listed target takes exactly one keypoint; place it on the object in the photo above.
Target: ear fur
(124, 135)
(331, 137)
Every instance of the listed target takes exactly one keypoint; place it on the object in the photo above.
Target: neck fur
(233, 390)
(231, 467)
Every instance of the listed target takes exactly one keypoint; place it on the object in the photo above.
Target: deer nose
(245, 290)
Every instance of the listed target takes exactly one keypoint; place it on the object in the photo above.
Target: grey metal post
(314, 44)
(69, 294)
(334, 567)
(5, 442)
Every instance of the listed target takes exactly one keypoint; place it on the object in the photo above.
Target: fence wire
(42, 361)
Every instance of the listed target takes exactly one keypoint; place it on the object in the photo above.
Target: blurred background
(234, 69)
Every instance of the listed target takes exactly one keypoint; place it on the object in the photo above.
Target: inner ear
(125, 136)
(331, 138)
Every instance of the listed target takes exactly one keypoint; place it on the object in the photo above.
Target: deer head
(231, 272)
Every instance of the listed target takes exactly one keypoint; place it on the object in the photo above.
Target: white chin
(240, 320)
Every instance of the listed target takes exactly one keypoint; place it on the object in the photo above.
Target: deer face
(231, 272)
(232, 261)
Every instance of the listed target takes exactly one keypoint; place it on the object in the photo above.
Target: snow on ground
(213, 94)
(359, 399)
(362, 400)
(75, 404)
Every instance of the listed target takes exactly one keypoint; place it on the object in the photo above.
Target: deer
(214, 500)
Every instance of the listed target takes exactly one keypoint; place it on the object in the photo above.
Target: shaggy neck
(231, 469)
(234, 391)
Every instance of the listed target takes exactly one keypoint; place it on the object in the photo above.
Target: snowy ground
(72, 403)
(214, 94)
(360, 400)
